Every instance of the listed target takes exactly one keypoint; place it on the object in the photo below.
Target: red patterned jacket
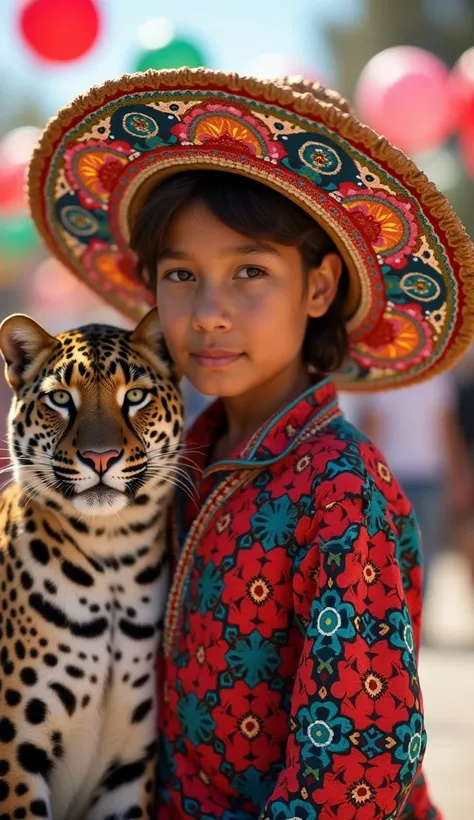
(290, 677)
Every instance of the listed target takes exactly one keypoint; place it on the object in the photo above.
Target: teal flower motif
(253, 658)
(295, 810)
(195, 719)
(322, 732)
(209, 588)
(332, 622)
(421, 287)
(316, 161)
(368, 628)
(252, 785)
(372, 742)
(411, 750)
(275, 522)
(347, 462)
(345, 543)
(377, 512)
(402, 638)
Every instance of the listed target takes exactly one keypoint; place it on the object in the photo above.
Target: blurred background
(408, 67)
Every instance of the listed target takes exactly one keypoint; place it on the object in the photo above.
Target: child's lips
(215, 357)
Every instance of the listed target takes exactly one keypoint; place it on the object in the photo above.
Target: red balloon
(60, 30)
(12, 190)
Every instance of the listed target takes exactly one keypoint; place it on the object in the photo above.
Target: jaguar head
(96, 418)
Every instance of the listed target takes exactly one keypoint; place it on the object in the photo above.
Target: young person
(283, 242)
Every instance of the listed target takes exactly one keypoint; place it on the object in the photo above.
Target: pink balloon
(16, 148)
(404, 94)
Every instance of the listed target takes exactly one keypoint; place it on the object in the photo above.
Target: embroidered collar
(274, 438)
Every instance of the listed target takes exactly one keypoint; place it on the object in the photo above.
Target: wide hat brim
(410, 307)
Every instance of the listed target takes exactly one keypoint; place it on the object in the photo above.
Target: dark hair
(255, 210)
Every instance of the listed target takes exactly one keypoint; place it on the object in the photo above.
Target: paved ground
(447, 678)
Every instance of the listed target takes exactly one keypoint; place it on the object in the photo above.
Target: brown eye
(136, 395)
(179, 276)
(60, 397)
(252, 272)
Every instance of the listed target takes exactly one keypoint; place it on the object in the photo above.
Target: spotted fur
(83, 570)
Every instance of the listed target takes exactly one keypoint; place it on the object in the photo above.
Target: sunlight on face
(232, 309)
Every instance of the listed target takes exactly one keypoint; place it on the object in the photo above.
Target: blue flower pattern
(322, 731)
(332, 622)
(274, 523)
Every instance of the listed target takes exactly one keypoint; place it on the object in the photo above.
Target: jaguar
(94, 442)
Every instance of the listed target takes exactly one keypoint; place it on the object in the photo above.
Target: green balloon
(176, 54)
(18, 236)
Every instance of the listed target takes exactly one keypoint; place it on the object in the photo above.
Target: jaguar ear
(25, 346)
(148, 337)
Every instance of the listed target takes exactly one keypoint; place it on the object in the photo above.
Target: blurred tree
(444, 28)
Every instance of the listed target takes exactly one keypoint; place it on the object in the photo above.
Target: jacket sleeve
(357, 735)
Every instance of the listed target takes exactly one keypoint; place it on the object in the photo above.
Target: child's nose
(211, 310)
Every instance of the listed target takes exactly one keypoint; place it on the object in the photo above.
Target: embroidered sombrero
(410, 309)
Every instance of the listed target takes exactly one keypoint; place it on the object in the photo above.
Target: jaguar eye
(136, 395)
(60, 397)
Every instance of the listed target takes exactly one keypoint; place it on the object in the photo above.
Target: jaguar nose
(100, 461)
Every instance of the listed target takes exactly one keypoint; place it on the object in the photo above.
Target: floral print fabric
(291, 687)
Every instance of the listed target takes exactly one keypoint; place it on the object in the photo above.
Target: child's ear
(148, 337)
(323, 284)
(25, 346)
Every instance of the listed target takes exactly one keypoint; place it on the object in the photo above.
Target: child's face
(234, 310)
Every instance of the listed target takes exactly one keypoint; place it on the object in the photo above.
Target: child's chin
(218, 384)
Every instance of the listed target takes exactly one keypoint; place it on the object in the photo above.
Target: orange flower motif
(94, 167)
(380, 223)
(387, 222)
(111, 270)
(215, 127)
(401, 336)
(230, 127)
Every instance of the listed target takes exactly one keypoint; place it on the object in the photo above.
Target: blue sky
(232, 34)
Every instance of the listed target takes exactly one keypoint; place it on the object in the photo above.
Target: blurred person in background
(417, 428)
(463, 499)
